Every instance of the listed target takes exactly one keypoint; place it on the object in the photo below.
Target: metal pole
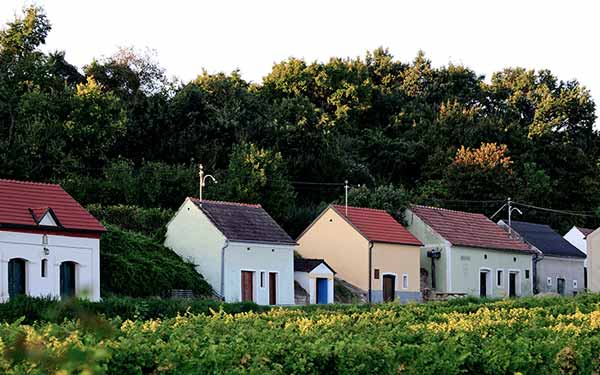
(201, 174)
(346, 188)
(509, 217)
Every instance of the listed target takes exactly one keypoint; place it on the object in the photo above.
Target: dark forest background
(119, 131)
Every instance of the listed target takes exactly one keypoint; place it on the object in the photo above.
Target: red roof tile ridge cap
(447, 209)
(360, 208)
(28, 182)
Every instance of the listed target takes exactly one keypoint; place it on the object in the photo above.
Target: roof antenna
(346, 189)
(203, 178)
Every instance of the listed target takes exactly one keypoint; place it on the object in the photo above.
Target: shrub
(29, 310)
(135, 265)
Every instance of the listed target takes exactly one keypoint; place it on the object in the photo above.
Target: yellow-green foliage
(531, 336)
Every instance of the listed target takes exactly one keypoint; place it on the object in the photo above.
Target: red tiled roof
(377, 225)
(468, 229)
(20, 201)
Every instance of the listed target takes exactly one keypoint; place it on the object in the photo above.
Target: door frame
(517, 281)
(276, 273)
(76, 266)
(489, 291)
(25, 275)
(327, 281)
(254, 284)
(395, 284)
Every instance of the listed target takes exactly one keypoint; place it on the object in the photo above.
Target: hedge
(29, 310)
(148, 221)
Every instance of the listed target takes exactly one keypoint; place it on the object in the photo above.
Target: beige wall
(340, 245)
(332, 238)
(593, 258)
(398, 260)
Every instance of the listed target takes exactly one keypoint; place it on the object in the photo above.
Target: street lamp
(203, 178)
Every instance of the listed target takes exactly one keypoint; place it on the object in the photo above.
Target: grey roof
(546, 239)
(585, 231)
(244, 222)
(307, 265)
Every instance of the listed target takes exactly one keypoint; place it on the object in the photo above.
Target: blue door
(321, 291)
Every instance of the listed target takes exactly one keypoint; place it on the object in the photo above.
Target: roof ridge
(28, 182)
(256, 205)
(360, 208)
(447, 209)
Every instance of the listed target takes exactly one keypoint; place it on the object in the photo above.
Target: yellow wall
(332, 238)
(340, 245)
(593, 258)
(397, 259)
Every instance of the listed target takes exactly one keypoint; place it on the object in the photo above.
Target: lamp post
(203, 178)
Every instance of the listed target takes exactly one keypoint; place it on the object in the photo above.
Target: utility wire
(562, 212)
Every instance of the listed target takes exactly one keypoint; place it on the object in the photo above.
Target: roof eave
(52, 228)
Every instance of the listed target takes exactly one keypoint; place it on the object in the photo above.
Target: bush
(29, 310)
(148, 221)
(135, 265)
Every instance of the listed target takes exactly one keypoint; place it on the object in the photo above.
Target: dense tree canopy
(118, 131)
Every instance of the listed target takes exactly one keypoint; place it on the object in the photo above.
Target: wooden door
(67, 279)
(247, 286)
(16, 277)
(483, 284)
(272, 288)
(389, 286)
(512, 284)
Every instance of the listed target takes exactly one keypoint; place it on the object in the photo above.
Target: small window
(376, 273)
(549, 281)
(404, 281)
(574, 284)
(484, 256)
(44, 267)
(527, 274)
(500, 278)
(262, 279)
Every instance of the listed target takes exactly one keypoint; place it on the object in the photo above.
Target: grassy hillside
(138, 266)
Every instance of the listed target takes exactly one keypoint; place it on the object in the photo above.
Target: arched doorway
(16, 277)
(67, 279)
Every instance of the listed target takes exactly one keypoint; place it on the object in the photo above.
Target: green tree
(393, 199)
(94, 124)
(258, 175)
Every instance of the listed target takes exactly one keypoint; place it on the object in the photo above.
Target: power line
(562, 212)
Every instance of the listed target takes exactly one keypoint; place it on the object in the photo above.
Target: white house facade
(316, 278)
(577, 237)
(238, 248)
(49, 245)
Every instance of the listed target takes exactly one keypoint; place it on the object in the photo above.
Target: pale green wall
(431, 240)
(467, 262)
(462, 276)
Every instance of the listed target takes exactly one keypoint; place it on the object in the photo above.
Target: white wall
(308, 281)
(254, 257)
(193, 236)
(577, 239)
(85, 252)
